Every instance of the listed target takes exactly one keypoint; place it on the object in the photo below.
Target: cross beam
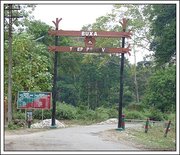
(88, 49)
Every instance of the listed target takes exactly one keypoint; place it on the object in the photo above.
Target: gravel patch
(109, 121)
(47, 124)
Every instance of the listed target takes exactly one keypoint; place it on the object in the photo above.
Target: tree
(161, 90)
(30, 69)
(163, 29)
(40, 31)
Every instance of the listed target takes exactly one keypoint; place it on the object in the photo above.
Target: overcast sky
(74, 17)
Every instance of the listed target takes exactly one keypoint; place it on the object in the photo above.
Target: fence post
(123, 122)
(167, 129)
(147, 125)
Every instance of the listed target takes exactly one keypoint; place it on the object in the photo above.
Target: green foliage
(101, 114)
(133, 114)
(37, 114)
(112, 112)
(155, 114)
(161, 90)
(171, 117)
(31, 69)
(84, 113)
(135, 106)
(39, 30)
(19, 115)
(164, 31)
(69, 112)
(13, 126)
(65, 111)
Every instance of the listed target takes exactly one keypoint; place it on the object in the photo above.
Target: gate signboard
(109, 34)
(34, 100)
(88, 49)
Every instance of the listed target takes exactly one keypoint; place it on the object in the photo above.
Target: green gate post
(123, 122)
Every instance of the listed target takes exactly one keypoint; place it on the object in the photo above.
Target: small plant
(19, 115)
(12, 126)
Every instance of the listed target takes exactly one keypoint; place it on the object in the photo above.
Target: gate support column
(120, 128)
(54, 90)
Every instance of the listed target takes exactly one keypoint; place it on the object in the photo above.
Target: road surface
(75, 138)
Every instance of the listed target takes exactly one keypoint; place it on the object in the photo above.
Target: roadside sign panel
(34, 100)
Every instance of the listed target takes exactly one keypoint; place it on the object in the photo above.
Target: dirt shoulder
(152, 141)
(123, 136)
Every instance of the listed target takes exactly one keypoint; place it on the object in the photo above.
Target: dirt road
(76, 138)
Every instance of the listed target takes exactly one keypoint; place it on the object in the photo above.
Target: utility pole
(10, 9)
(54, 90)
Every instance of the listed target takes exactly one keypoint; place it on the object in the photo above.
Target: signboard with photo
(34, 100)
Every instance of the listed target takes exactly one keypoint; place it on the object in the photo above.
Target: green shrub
(134, 115)
(171, 117)
(83, 113)
(19, 115)
(135, 106)
(37, 114)
(155, 114)
(13, 126)
(65, 111)
(47, 114)
(112, 112)
(101, 114)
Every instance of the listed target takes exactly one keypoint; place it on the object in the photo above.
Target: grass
(152, 140)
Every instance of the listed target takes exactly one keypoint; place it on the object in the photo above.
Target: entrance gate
(89, 39)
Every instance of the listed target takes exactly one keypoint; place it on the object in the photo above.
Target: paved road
(73, 138)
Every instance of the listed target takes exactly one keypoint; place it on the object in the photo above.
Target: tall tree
(163, 18)
(161, 90)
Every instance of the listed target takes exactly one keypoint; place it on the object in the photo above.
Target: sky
(74, 17)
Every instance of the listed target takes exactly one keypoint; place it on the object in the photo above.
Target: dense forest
(91, 81)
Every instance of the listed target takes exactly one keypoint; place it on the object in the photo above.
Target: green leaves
(30, 65)
(161, 91)
(164, 32)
